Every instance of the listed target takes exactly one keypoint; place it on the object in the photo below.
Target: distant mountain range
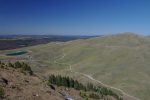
(58, 37)
(19, 41)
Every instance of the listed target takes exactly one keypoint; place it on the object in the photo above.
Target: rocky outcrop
(3, 81)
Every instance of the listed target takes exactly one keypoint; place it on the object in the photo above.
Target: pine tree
(76, 85)
(17, 64)
(71, 83)
(68, 81)
(10, 65)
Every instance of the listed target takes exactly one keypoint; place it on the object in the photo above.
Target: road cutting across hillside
(91, 78)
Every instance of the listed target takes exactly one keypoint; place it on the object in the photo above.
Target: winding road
(91, 78)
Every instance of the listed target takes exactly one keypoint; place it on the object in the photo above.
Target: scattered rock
(49, 92)
(26, 81)
(52, 87)
(3, 82)
(35, 95)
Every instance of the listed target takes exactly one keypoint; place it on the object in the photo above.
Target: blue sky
(74, 17)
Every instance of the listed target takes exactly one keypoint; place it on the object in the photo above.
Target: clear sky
(74, 17)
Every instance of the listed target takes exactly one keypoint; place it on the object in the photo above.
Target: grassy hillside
(120, 61)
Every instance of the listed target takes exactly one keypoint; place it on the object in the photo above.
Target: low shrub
(2, 93)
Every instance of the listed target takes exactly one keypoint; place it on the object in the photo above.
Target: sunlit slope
(122, 60)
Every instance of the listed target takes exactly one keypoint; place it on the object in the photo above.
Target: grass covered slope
(121, 61)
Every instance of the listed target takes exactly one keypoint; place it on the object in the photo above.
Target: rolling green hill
(121, 61)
